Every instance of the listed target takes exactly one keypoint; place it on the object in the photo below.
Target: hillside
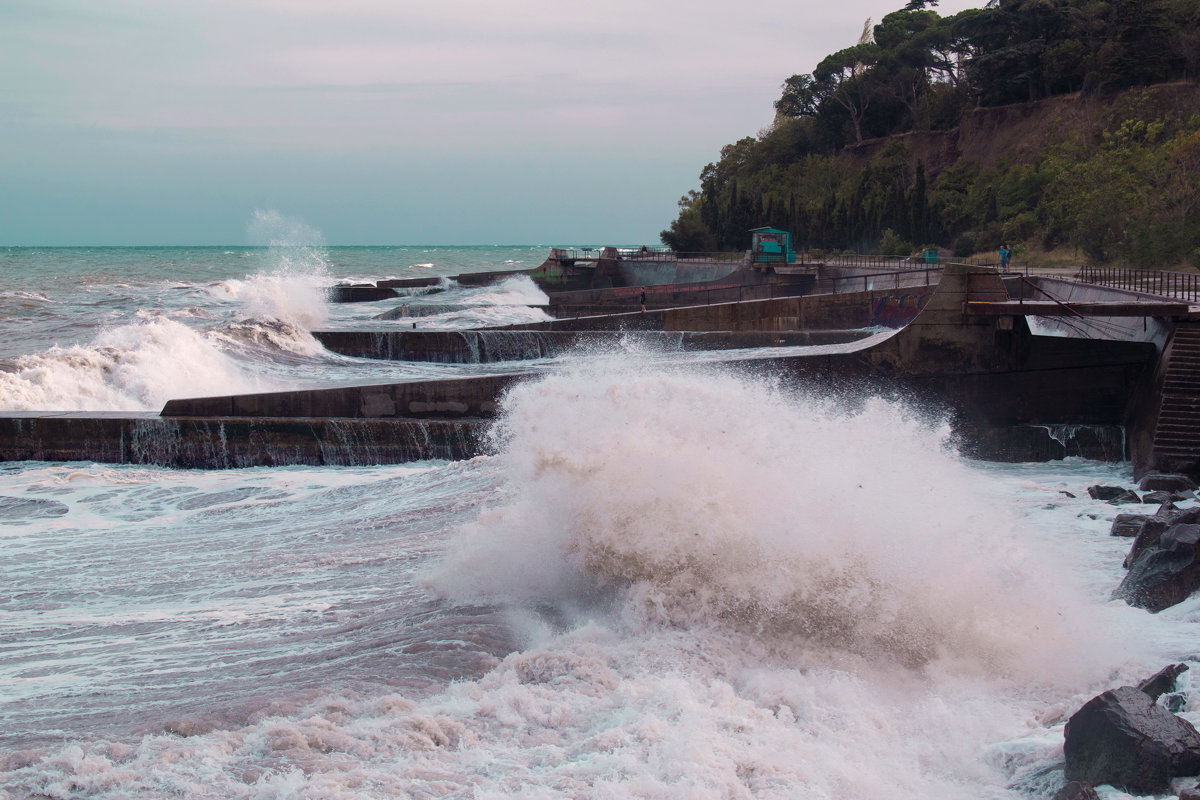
(912, 140)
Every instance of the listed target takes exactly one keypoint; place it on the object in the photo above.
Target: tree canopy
(917, 71)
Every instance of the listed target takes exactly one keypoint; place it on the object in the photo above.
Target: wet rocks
(1076, 790)
(1113, 494)
(1163, 681)
(1123, 738)
(1169, 483)
(1164, 573)
(1130, 525)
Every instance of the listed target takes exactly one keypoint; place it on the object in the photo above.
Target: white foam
(713, 499)
(132, 367)
(292, 293)
(754, 594)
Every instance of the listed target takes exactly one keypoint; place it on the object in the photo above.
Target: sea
(664, 579)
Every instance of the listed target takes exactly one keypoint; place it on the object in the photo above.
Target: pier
(954, 338)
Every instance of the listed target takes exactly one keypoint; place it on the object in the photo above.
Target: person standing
(1005, 255)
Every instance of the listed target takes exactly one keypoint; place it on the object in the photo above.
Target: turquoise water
(30, 268)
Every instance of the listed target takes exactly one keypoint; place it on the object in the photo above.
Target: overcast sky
(385, 122)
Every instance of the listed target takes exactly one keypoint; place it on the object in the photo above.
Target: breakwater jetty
(1122, 382)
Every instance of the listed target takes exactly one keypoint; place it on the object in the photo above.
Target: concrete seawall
(1009, 394)
(891, 307)
(227, 442)
(487, 346)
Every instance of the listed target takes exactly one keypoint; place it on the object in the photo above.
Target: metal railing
(1180, 285)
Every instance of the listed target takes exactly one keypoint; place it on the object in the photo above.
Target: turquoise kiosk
(771, 245)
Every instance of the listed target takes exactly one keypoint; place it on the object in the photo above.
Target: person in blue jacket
(1005, 255)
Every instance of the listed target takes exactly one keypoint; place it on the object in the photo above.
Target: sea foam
(707, 498)
(132, 367)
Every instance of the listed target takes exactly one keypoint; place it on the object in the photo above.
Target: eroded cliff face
(1021, 132)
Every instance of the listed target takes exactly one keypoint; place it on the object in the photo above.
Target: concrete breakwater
(214, 442)
(488, 346)
(963, 350)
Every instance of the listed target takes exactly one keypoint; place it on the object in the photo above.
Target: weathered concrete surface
(891, 307)
(478, 347)
(989, 375)
(744, 284)
(987, 372)
(225, 443)
(439, 399)
(359, 294)
(1050, 308)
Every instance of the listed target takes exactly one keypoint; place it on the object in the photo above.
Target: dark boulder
(1163, 681)
(1107, 492)
(1122, 738)
(1147, 536)
(1152, 529)
(1165, 573)
(1129, 525)
(1156, 481)
(1158, 498)
(1180, 516)
(1076, 790)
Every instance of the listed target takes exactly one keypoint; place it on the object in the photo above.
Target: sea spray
(132, 367)
(292, 287)
(709, 498)
(600, 524)
(512, 301)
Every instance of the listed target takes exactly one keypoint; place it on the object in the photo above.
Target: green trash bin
(931, 256)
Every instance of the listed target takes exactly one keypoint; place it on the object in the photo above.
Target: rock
(1147, 536)
(1165, 573)
(1162, 681)
(1068, 494)
(1159, 497)
(1152, 529)
(1190, 794)
(1179, 516)
(1171, 483)
(1128, 525)
(1076, 790)
(1110, 493)
(1123, 739)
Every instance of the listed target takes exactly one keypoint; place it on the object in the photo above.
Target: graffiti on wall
(896, 311)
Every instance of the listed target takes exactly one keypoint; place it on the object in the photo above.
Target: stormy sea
(665, 579)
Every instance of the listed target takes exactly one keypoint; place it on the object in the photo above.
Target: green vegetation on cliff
(1050, 123)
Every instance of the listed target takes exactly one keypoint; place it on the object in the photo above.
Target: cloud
(191, 88)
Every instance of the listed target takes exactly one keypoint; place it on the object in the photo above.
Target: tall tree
(845, 78)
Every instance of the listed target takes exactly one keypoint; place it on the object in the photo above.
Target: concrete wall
(480, 347)
(438, 399)
(215, 443)
(810, 312)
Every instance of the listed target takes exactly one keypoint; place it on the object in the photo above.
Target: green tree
(846, 78)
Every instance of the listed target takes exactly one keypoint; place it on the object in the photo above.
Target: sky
(175, 122)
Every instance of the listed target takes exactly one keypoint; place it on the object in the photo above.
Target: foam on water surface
(667, 582)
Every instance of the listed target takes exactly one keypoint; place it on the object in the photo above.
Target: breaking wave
(139, 366)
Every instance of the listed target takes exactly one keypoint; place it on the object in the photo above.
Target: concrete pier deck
(1010, 394)
(216, 442)
(488, 346)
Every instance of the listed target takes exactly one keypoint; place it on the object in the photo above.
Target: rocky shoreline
(1131, 737)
